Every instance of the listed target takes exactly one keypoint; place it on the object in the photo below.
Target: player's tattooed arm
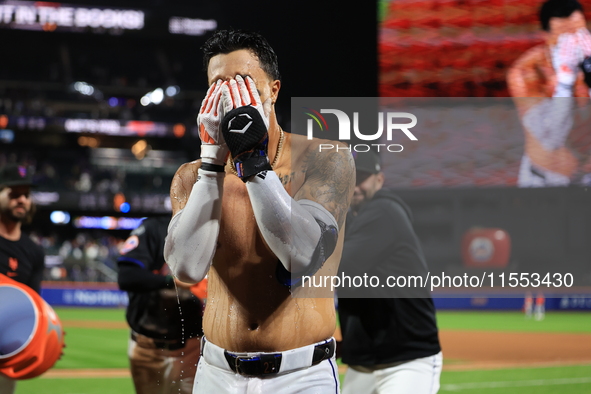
(330, 181)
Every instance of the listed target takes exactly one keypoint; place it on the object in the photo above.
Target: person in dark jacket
(21, 259)
(390, 336)
(164, 315)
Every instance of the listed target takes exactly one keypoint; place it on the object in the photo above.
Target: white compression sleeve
(289, 227)
(551, 121)
(193, 232)
(563, 90)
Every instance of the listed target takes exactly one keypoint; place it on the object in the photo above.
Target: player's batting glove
(214, 151)
(566, 57)
(245, 129)
(584, 37)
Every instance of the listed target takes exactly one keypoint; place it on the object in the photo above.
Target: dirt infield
(462, 350)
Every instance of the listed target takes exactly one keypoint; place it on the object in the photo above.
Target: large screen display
(449, 48)
(453, 48)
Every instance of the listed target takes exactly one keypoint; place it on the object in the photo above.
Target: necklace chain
(279, 147)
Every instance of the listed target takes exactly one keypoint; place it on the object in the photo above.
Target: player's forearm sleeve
(551, 121)
(193, 232)
(292, 229)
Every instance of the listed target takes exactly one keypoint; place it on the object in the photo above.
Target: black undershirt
(22, 261)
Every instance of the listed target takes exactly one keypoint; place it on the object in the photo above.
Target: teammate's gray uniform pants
(160, 371)
(7, 386)
(420, 376)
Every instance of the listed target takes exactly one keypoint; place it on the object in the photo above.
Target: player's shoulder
(186, 174)
(315, 143)
(31, 246)
(317, 151)
(28, 241)
(189, 168)
(532, 57)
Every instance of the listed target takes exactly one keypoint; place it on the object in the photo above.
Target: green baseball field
(484, 352)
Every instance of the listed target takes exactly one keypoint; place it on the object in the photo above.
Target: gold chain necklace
(279, 147)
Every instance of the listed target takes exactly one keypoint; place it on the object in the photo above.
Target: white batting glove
(246, 129)
(566, 57)
(215, 105)
(244, 92)
(584, 37)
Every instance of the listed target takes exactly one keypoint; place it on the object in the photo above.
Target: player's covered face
(242, 62)
(15, 202)
(569, 24)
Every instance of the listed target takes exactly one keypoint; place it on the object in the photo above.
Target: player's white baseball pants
(214, 375)
(531, 176)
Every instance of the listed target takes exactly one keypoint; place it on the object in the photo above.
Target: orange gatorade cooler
(31, 334)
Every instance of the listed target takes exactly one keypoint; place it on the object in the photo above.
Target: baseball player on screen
(544, 82)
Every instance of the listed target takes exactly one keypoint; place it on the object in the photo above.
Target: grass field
(89, 346)
(566, 322)
(573, 379)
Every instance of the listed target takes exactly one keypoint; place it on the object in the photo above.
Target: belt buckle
(265, 364)
(238, 360)
(237, 365)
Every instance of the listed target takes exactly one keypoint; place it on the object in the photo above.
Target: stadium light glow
(172, 91)
(59, 217)
(157, 96)
(84, 88)
(154, 97)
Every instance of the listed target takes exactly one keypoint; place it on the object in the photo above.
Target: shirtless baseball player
(262, 207)
(543, 82)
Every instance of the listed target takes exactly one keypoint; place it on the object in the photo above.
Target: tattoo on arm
(285, 179)
(330, 181)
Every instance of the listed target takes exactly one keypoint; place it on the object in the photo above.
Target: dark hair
(226, 41)
(557, 9)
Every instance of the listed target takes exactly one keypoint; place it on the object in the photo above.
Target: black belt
(536, 172)
(269, 363)
(162, 343)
